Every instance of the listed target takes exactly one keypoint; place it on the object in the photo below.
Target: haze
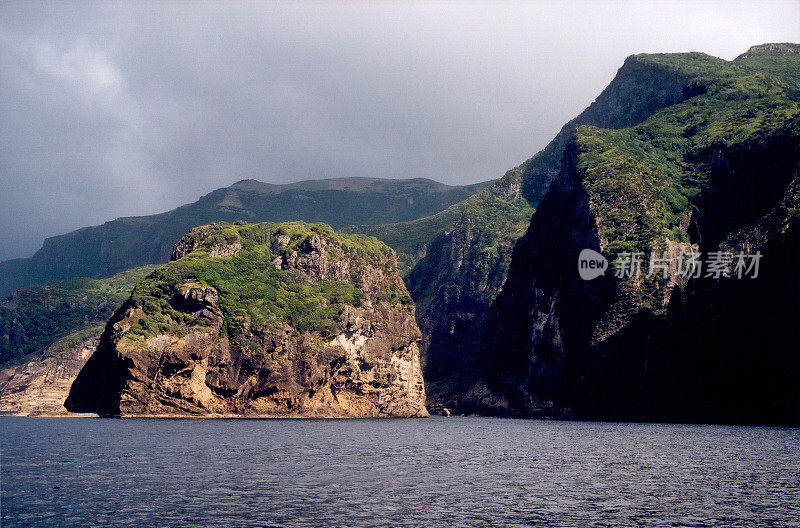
(119, 109)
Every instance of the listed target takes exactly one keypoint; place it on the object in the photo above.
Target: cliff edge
(714, 176)
(291, 320)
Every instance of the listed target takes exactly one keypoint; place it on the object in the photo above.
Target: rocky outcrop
(39, 387)
(775, 48)
(211, 358)
(194, 240)
(667, 347)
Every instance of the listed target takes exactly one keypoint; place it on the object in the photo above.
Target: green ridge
(644, 179)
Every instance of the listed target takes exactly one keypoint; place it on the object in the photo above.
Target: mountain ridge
(127, 242)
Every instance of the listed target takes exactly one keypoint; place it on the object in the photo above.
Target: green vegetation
(454, 264)
(779, 60)
(642, 180)
(47, 320)
(495, 211)
(253, 292)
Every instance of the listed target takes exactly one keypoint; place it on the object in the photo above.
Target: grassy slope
(643, 180)
(780, 60)
(253, 293)
(643, 85)
(46, 320)
(493, 209)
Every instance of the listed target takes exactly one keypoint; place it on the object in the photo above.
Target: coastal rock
(39, 387)
(198, 355)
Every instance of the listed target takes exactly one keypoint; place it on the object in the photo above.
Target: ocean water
(436, 472)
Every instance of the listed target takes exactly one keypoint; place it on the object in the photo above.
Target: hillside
(45, 320)
(289, 319)
(456, 261)
(48, 332)
(716, 174)
(125, 243)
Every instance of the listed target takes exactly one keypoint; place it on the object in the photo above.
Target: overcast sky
(119, 109)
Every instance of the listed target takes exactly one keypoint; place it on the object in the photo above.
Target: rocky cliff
(460, 268)
(715, 173)
(39, 387)
(261, 320)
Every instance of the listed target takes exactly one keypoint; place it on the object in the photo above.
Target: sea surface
(436, 472)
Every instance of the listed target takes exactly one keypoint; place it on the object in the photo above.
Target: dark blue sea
(436, 472)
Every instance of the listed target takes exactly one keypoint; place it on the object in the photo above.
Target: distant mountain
(125, 243)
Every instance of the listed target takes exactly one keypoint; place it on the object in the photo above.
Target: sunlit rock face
(287, 320)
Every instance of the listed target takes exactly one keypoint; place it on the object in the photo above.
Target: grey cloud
(112, 109)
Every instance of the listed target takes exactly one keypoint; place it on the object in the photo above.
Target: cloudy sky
(119, 109)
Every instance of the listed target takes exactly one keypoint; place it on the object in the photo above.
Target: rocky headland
(273, 320)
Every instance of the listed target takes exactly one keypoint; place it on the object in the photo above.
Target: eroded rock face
(39, 388)
(371, 368)
(311, 261)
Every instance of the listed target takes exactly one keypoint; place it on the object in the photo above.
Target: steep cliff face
(261, 320)
(465, 265)
(461, 273)
(39, 387)
(717, 172)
